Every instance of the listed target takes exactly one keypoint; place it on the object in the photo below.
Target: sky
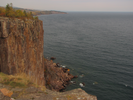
(74, 5)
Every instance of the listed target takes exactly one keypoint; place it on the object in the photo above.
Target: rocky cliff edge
(21, 51)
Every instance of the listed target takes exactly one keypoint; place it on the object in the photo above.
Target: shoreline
(36, 93)
(57, 78)
(49, 14)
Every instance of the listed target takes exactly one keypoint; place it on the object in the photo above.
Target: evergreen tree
(25, 14)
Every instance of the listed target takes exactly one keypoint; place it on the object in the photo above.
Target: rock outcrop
(21, 48)
(38, 94)
(55, 77)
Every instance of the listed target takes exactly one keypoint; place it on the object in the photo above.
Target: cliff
(21, 48)
(21, 51)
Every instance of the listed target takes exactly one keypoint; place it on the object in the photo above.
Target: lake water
(98, 45)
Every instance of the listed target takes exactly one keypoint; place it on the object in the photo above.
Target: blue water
(96, 44)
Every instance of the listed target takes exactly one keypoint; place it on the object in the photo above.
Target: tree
(29, 15)
(2, 11)
(9, 10)
(25, 14)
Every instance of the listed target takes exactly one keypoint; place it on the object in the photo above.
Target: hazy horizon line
(68, 10)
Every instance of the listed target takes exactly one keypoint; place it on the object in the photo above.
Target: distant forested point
(41, 12)
(22, 13)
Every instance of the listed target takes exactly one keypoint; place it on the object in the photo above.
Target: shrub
(36, 17)
(8, 11)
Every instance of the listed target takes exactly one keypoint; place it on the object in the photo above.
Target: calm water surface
(96, 44)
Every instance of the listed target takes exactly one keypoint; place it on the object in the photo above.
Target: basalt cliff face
(21, 51)
(21, 48)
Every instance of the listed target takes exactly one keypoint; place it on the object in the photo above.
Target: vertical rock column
(21, 48)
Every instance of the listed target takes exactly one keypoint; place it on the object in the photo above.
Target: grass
(19, 80)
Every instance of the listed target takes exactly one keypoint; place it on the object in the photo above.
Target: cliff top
(9, 11)
(29, 91)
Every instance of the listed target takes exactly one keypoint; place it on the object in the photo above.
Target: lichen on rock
(21, 47)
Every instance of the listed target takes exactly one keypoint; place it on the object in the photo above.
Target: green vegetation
(20, 80)
(14, 81)
(8, 11)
